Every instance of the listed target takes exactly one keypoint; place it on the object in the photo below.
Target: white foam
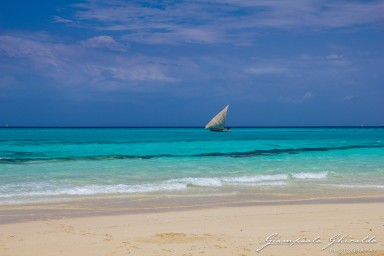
(52, 190)
(241, 180)
(201, 182)
(121, 188)
(359, 186)
(309, 175)
(255, 179)
(257, 184)
(37, 191)
(40, 190)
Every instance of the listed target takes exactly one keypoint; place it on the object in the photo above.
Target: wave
(360, 186)
(54, 189)
(49, 189)
(277, 179)
(306, 175)
(198, 182)
(12, 157)
(256, 178)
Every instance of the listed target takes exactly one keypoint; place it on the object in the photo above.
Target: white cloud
(329, 63)
(307, 96)
(175, 36)
(348, 98)
(106, 42)
(86, 63)
(265, 70)
(40, 53)
(338, 60)
(289, 99)
(334, 57)
(59, 19)
(217, 21)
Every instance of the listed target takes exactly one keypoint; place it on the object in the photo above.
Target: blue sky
(177, 63)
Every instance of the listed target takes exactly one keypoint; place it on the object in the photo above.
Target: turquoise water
(64, 164)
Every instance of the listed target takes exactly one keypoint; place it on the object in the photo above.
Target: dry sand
(229, 230)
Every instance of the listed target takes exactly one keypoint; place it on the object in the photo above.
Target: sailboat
(218, 121)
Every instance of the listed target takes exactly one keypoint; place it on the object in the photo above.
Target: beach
(296, 229)
(187, 191)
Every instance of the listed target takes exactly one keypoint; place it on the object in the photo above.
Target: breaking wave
(37, 190)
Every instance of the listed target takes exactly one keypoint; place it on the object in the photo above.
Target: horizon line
(195, 127)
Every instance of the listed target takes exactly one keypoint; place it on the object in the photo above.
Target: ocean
(131, 165)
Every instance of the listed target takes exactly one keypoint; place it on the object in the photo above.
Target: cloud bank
(208, 22)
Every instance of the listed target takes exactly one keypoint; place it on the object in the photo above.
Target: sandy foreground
(301, 229)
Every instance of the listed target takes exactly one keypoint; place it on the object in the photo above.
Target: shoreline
(221, 230)
(105, 207)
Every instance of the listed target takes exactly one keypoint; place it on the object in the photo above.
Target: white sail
(217, 123)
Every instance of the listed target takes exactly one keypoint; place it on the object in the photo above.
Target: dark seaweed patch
(10, 157)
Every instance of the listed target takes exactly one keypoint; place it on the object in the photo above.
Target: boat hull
(220, 130)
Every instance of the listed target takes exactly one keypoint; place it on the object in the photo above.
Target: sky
(177, 63)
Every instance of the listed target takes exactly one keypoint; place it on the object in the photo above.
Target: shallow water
(66, 164)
